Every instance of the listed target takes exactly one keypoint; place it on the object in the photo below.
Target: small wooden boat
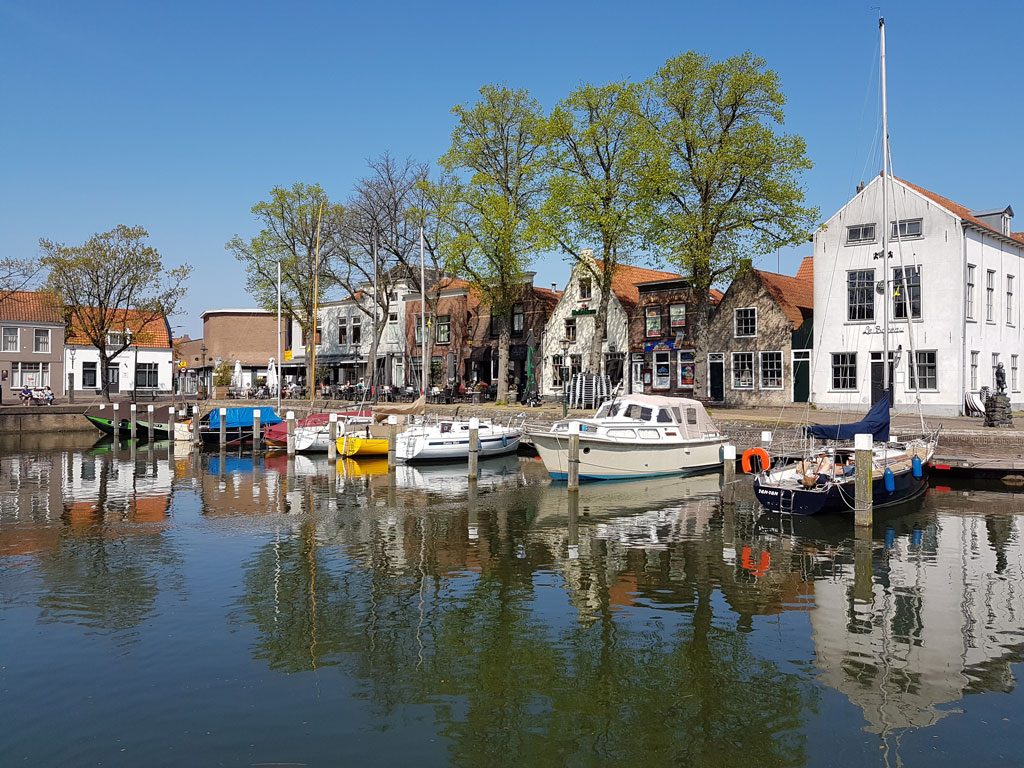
(359, 446)
(107, 426)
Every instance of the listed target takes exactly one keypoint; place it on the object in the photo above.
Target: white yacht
(448, 440)
(635, 436)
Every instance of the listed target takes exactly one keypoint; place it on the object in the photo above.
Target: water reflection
(634, 621)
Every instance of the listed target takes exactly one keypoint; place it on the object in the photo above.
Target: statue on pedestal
(1000, 380)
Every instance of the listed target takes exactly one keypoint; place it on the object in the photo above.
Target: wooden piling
(332, 437)
(257, 431)
(474, 446)
(573, 479)
(117, 422)
(133, 418)
(172, 416)
(728, 474)
(573, 531)
(863, 481)
(290, 423)
(392, 443)
(223, 428)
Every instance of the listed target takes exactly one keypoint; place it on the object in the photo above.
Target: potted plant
(221, 380)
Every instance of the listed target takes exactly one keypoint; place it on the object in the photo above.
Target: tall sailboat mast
(886, 383)
(423, 320)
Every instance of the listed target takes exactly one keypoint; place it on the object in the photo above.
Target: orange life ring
(761, 454)
(747, 561)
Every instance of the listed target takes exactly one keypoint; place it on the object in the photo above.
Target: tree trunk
(504, 342)
(702, 314)
(104, 374)
(600, 332)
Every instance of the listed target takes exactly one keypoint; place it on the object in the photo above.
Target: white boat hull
(604, 459)
(417, 445)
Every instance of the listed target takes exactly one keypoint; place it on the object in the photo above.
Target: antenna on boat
(316, 296)
(886, 382)
(423, 320)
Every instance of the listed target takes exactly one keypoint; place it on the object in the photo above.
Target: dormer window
(860, 233)
(585, 292)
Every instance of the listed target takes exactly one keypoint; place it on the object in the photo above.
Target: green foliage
(222, 375)
(487, 204)
(726, 179)
(111, 273)
(289, 236)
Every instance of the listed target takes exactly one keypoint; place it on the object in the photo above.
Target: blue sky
(180, 115)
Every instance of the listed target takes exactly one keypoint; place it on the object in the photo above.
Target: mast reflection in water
(203, 609)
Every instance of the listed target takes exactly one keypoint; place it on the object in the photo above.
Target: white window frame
(95, 375)
(971, 278)
(150, 368)
(661, 382)
(733, 371)
(35, 341)
(692, 353)
(736, 320)
(570, 322)
(356, 324)
(17, 339)
(1009, 300)
(832, 372)
(905, 224)
(443, 322)
(914, 370)
(975, 361)
(1014, 371)
(995, 364)
(860, 286)
(850, 240)
(782, 369)
(589, 284)
(557, 368)
(990, 296)
(18, 374)
(906, 301)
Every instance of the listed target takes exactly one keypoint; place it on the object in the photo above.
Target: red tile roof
(31, 307)
(806, 269)
(154, 333)
(794, 295)
(716, 295)
(626, 277)
(959, 210)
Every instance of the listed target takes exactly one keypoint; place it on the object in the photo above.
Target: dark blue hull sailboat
(823, 480)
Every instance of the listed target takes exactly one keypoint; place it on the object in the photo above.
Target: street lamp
(71, 376)
(202, 367)
(565, 377)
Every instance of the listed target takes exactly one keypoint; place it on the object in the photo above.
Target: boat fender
(762, 456)
(890, 480)
(916, 468)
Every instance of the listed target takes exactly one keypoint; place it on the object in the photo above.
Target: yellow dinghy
(354, 445)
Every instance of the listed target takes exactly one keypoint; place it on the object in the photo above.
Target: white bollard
(172, 415)
(728, 473)
(289, 418)
(863, 480)
(573, 478)
(474, 446)
(223, 428)
(392, 443)
(117, 420)
(332, 437)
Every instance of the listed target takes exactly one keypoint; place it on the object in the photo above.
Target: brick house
(662, 351)
(31, 342)
(761, 335)
(248, 336)
(451, 327)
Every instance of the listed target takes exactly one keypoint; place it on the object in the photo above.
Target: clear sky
(180, 115)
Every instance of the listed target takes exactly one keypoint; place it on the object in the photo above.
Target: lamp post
(565, 377)
(71, 376)
(202, 367)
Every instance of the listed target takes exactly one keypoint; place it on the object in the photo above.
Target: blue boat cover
(876, 423)
(242, 417)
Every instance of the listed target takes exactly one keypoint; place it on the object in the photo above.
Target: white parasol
(236, 377)
(272, 377)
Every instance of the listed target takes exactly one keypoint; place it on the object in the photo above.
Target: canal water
(162, 609)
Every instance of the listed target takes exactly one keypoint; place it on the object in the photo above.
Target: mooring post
(223, 412)
(728, 473)
(149, 419)
(474, 446)
(132, 411)
(257, 432)
(289, 418)
(573, 479)
(392, 442)
(172, 416)
(766, 440)
(574, 526)
(863, 480)
(332, 437)
(196, 418)
(863, 572)
(117, 421)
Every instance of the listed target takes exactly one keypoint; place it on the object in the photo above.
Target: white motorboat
(448, 440)
(635, 436)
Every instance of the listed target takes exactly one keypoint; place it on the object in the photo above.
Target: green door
(801, 375)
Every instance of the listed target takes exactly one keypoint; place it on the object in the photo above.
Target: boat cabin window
(691, 415)
(677, 414)
(638, 413)
(446, 427)
(606, 411)
(664, 417)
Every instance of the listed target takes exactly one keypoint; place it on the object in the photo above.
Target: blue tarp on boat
(232, 465)
(242, 417)
(876, 423)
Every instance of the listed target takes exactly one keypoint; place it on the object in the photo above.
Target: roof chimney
(860, 187)
(554, 287)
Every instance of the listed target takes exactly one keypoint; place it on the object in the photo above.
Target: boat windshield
(638, 412)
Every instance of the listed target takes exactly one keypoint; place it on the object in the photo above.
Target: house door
(637, 379)
(876, 377)
(716, 376)
(114, 378)
(801, 375)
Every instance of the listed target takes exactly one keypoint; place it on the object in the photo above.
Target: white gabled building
(960, 312)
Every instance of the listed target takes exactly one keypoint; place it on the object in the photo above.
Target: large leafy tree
(726, 178)
(597, 198)
(114, 283)
(290, 220)
(487, 204)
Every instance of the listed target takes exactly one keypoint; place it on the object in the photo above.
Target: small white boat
(317, 438)
(635, 436)
(448, 440)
